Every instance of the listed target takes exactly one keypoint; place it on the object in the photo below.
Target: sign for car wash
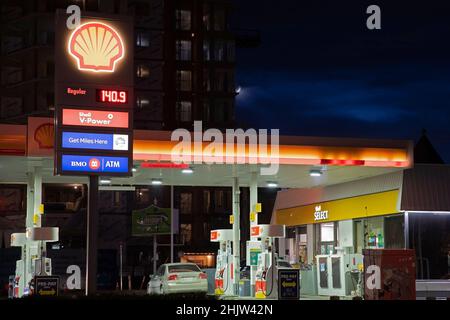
(93, 95)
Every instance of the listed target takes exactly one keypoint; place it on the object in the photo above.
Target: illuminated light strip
(339, 162)
(78, 57)
(157, 149)
(162, 165)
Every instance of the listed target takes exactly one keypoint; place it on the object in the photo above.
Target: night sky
(320, 72)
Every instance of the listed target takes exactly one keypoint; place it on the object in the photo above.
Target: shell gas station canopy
(23, 147)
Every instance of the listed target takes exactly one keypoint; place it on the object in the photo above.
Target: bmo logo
(94, 164)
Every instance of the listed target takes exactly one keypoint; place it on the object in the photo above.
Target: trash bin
(244, 288)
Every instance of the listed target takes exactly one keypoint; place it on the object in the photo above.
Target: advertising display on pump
(266, 283)
(223, 278)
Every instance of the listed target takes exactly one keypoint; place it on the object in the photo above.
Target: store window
(394, 232)
(184, 80)
(302, 245)
(326, 237)
(374, 231)
(429, 235)
(183, 50)
(184, 111)
(183, 20)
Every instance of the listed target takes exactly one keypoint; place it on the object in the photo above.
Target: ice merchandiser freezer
(389, 274)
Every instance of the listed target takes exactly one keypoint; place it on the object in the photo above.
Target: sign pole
(92, 230)
(171, 223)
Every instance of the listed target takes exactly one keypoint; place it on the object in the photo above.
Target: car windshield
(184, 268)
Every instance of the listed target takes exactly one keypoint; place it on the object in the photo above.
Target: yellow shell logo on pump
(44, 136)
(96, 47)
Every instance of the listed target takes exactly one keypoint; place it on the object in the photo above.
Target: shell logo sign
(96, 47)
(44, 136)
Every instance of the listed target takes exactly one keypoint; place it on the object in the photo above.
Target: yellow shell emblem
(96, 47)
(44, 136)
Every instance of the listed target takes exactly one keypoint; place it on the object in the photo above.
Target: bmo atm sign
(94, 96)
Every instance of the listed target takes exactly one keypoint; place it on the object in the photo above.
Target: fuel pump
(33, 260)
(223, 278)
(266, 282)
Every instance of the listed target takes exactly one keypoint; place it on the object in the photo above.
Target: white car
(178, 278)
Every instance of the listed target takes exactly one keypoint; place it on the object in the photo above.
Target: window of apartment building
(223, 81)
(142, 39)
(231, 51)
(142, 101)
(184, 111)
(206, 80)
(206, 111)
(184, 80)
(219, 19)
(186, 232)
(183, 20)
(221, 112)
(11, 106)
(184, 50)
(219, 50)
(186, 203)
(207, 16)
(206, 201)
(143, 71)
(206, 50)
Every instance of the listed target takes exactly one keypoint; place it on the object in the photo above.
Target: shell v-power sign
(94, 95)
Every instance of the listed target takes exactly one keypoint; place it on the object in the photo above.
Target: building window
(231, 51)
(219, 19)
(206, 80)
(143, 71)
(206, 50)
(184, 111)
(186, 203)
(222, 81)
(184, 80)
(142, 101)
(184, 50)
(206, 201)
(186, 233)
(221, 111)
(219, 51)
(207, 16)
(142, 39)
(183, 20)
(206, 111)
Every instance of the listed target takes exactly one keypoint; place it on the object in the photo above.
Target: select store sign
(93, 92)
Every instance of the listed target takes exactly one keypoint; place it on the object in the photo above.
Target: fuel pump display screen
(112, 96)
